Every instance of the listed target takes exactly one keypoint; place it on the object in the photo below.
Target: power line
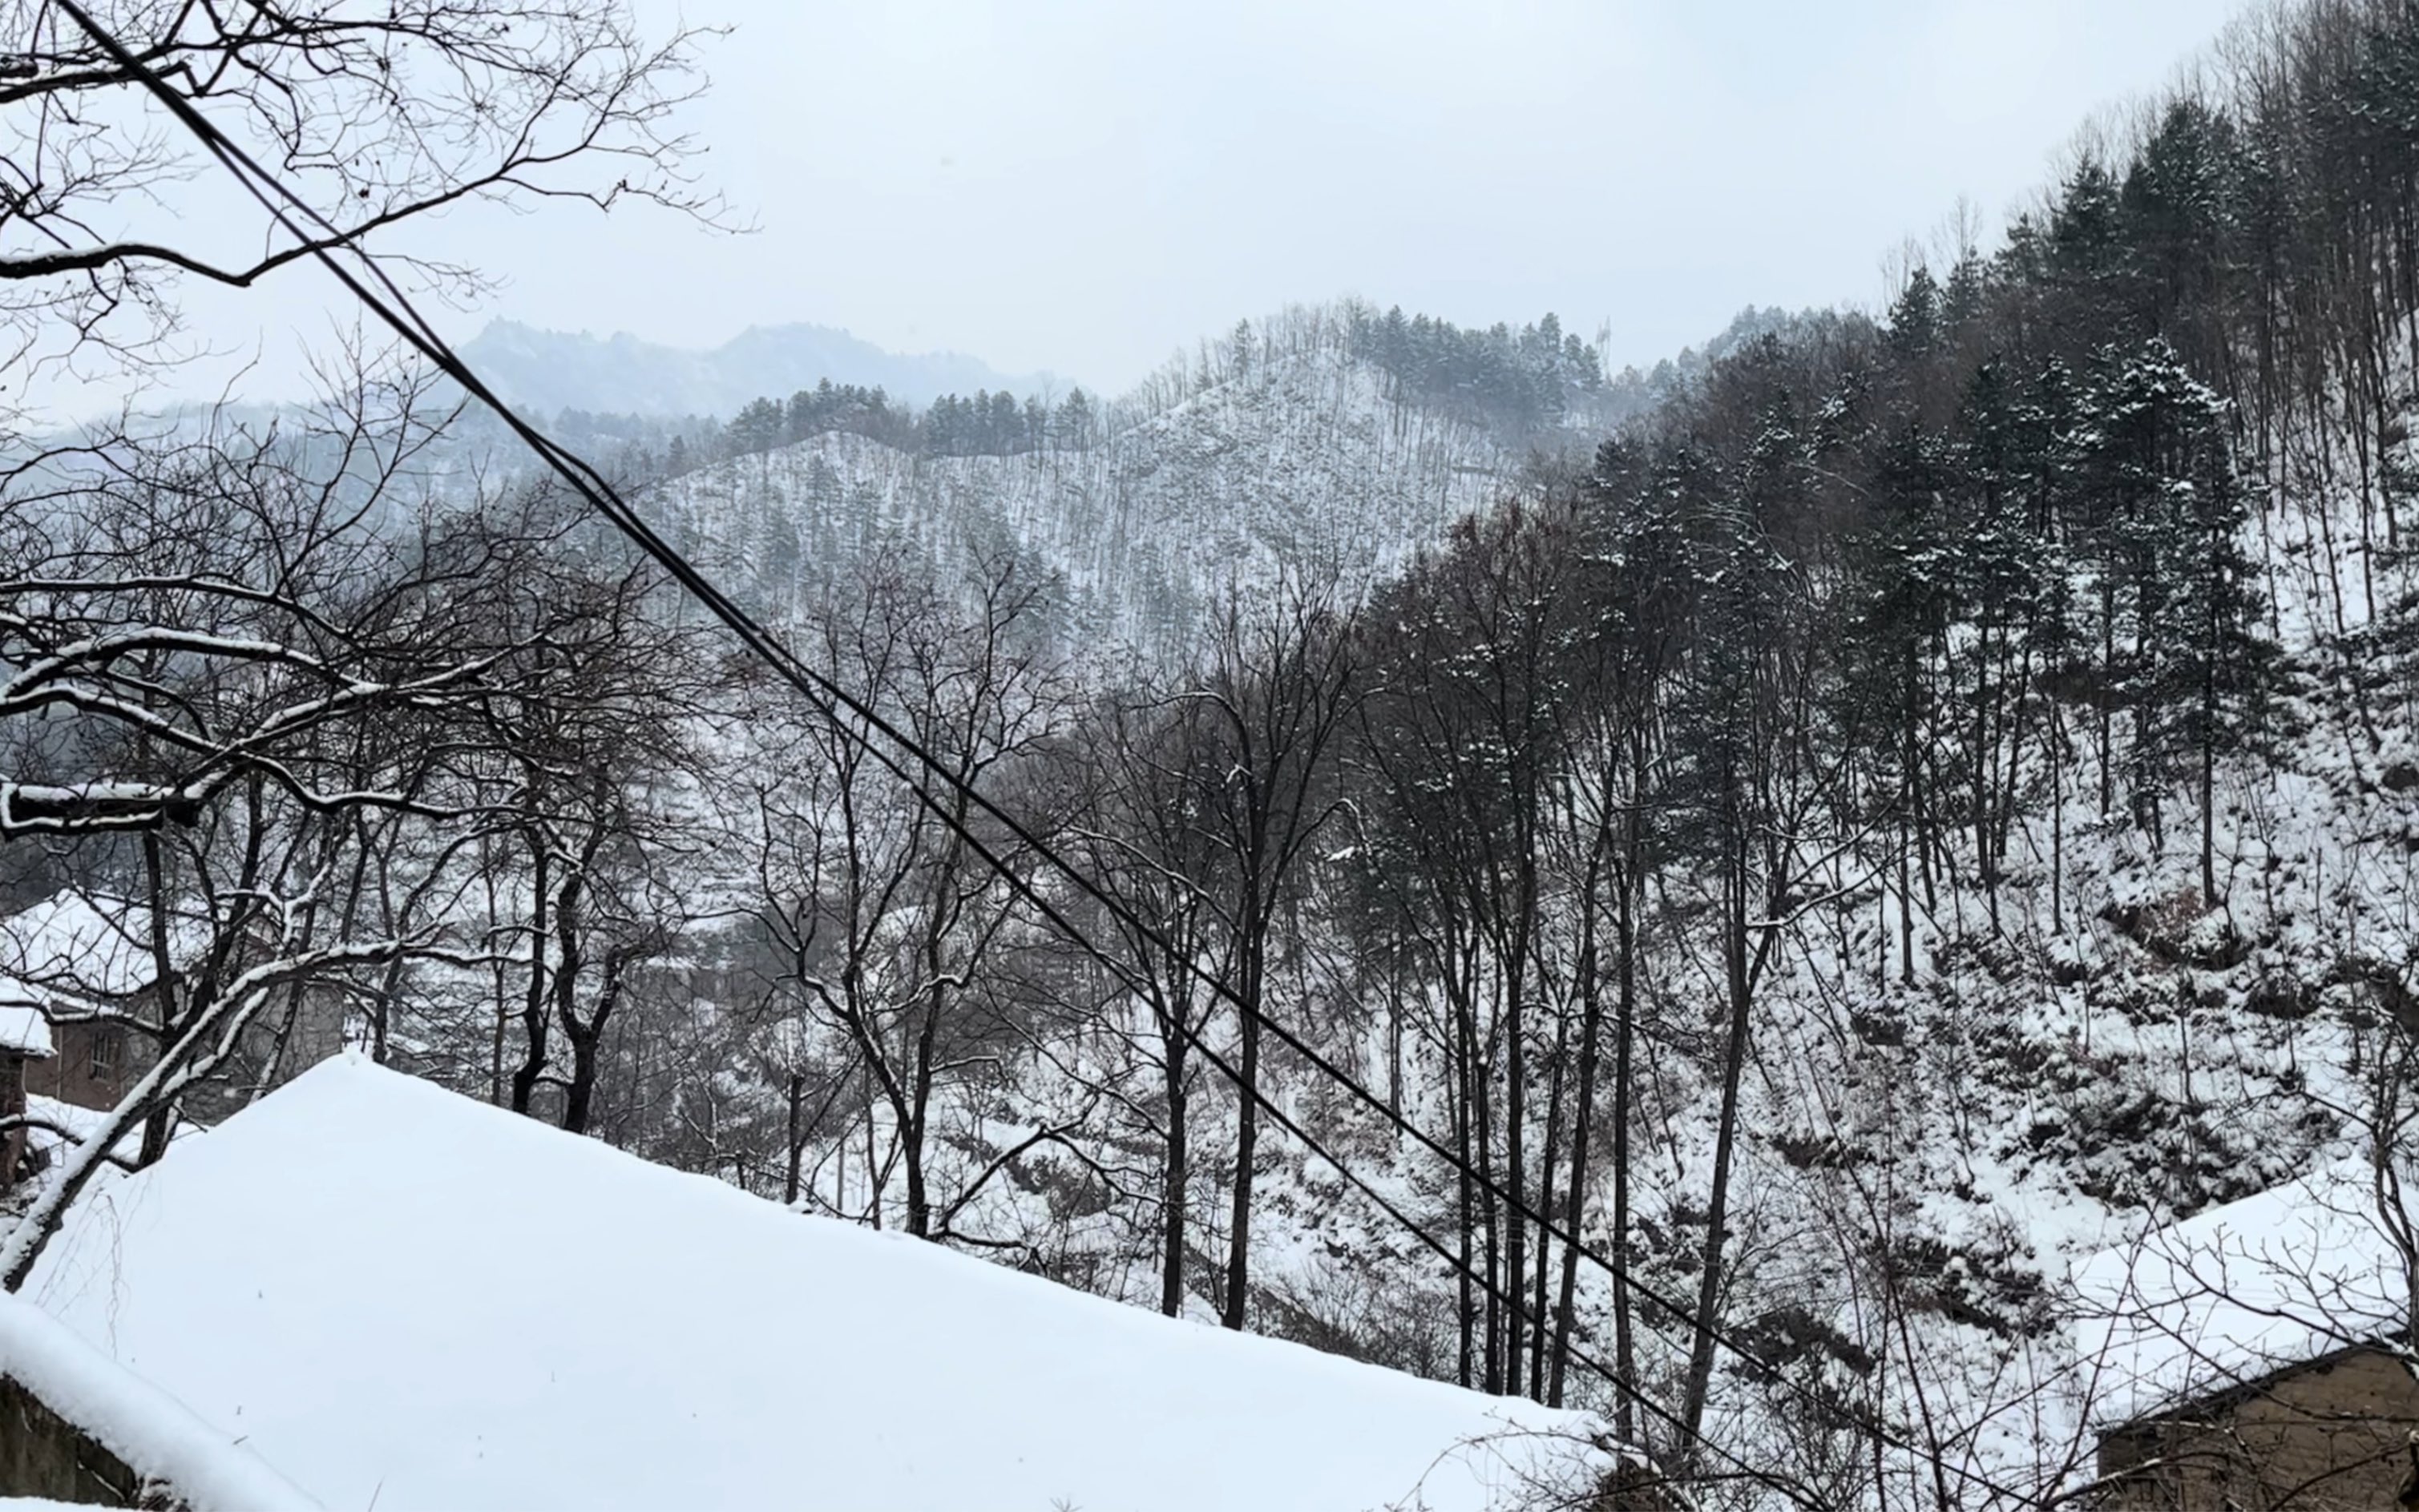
(829, 698)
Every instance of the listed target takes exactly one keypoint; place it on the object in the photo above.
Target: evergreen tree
(2178, 616)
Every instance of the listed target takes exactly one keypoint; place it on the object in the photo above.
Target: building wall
(92, 1065)
(12, 1105)
(42, 1454)
(2327, 1437)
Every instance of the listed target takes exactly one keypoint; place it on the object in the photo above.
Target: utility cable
(831, 700)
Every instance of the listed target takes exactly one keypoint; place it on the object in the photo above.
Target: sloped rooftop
(393, 1294)
(24, 1030)
(73, 952)
(2230, 1297)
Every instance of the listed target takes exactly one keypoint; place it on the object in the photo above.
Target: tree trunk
(795, 1140)
(533, 1014)
(1582, 1105)
(567, 965)
(1463, 1081)
(1247, 1140)
(579, 1096)
(1482, 1118)
(1178, 1173)
(1557, 1093)
(1735, 950)
(1624, 1337)
(1515, 1226)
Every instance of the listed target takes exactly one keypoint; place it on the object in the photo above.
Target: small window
(106, 1053)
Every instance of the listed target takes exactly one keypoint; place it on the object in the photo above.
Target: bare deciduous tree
(377, 114)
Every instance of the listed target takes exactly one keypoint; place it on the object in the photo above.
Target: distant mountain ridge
(550, 371)
(1301, 441)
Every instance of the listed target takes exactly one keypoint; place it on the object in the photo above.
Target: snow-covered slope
(547, 371)
(151, 1432)
(1966, 1087)
(1305, 460)
(405, 1299)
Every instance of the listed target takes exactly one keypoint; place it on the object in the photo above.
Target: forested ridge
(1841, 825)
(1974, 697)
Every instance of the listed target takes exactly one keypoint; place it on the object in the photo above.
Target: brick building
(85, 965)
(80, 976)
(2256, 1358)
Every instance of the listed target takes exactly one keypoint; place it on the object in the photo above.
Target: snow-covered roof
(75, 952)
(2230, 1297)
(71, 950)
(156, 1435)
(74, 944)
(23, 1031)
(399, 1295)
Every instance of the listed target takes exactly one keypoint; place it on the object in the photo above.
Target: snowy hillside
(1306, 457)
(1353, 927)
(546, 372)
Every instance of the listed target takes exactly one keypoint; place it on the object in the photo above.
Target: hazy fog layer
(1081, 186)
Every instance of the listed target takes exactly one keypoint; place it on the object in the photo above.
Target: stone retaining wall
(41, 1454)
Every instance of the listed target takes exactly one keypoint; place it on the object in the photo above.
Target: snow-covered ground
(405, 1299)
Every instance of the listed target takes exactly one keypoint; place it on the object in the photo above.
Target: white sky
(1083, 186)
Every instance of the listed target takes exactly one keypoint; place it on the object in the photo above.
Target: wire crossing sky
(1085, 186)
(378, 296)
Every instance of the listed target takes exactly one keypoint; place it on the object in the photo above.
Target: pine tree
(2179, 613)
(756, 428)
(2181, 207)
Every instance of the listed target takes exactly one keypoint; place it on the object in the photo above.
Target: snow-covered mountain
(1960, 1080)
(546, 372)
(1301, 454)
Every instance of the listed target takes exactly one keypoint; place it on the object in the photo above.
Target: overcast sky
(1083, 186)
